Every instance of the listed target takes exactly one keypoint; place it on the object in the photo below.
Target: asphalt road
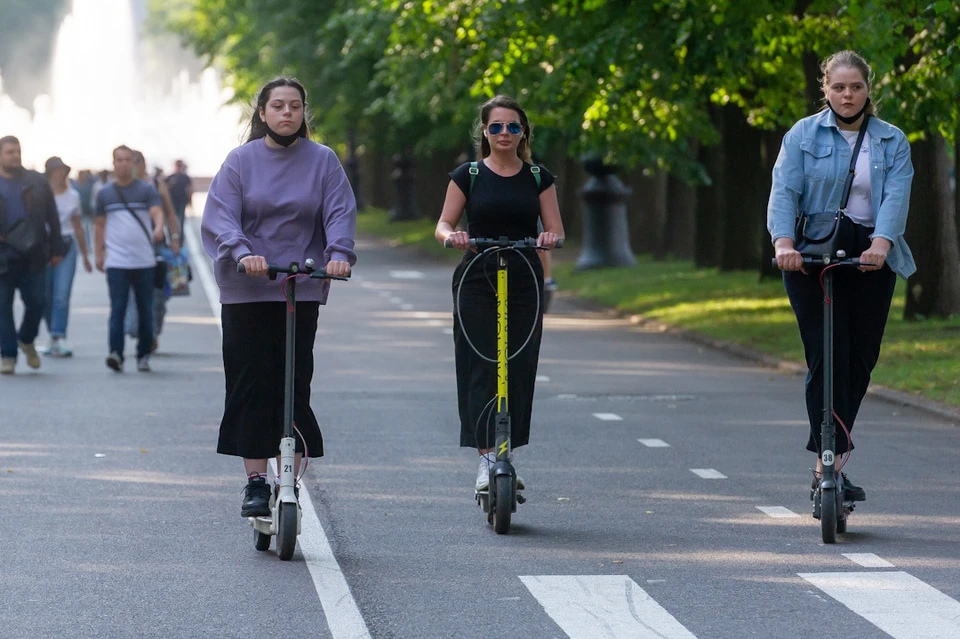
(119, 520)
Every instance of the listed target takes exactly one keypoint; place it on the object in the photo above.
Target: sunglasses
(513, 128)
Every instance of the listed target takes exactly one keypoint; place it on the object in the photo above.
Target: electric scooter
(284, 519)
(500, 500)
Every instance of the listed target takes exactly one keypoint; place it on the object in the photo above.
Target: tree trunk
(771, 148)
(679, 226)
(745, 204)
(711, 202)
(934, 290)
(647, 210)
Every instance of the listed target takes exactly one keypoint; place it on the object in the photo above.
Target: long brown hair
(504, 102)
(854, 60)
(258, 128)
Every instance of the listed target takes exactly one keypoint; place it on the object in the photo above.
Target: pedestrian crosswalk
(616, 607)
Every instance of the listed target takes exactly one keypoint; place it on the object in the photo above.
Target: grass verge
(922, 358)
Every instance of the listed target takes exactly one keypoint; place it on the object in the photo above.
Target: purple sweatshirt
(286, 204)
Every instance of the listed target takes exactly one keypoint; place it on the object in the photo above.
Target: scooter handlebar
(273, 270)
(819, 261)
(489, 242)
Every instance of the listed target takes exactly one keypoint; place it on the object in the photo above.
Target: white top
(68, 206)
(129, 240)
(859, 206)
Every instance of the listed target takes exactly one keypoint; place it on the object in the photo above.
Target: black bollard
(605, 237)
(406, 207)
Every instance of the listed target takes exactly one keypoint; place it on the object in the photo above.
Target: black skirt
(253, 349)
(476, 377)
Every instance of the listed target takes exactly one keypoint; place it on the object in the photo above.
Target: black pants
(476, 377)
(861, 303)
(253, 354)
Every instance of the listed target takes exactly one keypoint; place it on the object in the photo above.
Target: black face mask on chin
(282, 140)
(853, 118)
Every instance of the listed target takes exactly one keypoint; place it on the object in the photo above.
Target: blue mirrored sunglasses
(513, 128)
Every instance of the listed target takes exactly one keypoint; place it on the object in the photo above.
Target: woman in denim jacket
(809, 176)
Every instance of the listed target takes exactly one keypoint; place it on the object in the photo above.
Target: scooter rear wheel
(287, 531)
(503, 504)
(260, 541)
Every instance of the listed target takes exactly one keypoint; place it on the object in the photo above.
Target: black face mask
(282, 140)
(852, 119)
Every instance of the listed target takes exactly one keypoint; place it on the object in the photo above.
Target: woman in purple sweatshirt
(278, 198)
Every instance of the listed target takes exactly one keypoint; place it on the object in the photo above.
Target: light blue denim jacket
(811, 170)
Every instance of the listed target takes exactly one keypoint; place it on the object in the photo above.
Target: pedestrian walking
(59, 278)
(29, 241)
(129, 221)
(278, 198)
(503, 198)
(808, 177)
(181, 190)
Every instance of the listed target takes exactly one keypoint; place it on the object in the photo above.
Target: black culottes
(253, 350)
(476, 377)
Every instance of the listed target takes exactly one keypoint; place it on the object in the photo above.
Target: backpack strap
(536, 173)
(474, 172)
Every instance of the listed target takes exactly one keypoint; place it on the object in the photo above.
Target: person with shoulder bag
(129, 221)
(30, 240)
(842, 182)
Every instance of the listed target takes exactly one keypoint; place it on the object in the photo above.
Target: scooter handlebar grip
(241, 268)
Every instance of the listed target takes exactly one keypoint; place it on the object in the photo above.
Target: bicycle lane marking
(897, 603)
(614, 606)
(339, 607)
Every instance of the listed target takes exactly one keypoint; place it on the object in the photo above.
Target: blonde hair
(853, 60)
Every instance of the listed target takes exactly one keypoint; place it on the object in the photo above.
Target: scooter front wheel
(287, 530)
(503, 504)
(828, 516)
(260, 541)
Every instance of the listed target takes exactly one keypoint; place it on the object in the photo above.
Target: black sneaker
(256, 498)
(852, 492)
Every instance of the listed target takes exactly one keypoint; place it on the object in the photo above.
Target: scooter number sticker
(288, 468)
(827, 457)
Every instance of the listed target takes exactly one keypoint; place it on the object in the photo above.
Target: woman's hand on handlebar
(459, 240)
(548, 240)
(338, 268)
(789, 259)
(875, 255)
(255, 265)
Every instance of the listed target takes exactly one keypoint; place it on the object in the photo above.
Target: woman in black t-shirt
(505, 198)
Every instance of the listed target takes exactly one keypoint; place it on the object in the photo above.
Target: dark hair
(138, 157)
(850, 59)
(258, 128)
(8, 139)
(122, 147)
(504, 102)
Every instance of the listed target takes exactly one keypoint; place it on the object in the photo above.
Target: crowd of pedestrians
(118, 221)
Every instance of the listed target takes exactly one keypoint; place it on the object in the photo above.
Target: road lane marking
(654, 443)
(406, 275)
(867, 560)
(406, 307)
(778, 512)
(708, 473)
(895, 602)
(608, 417)
(448, 331)
(610, 606)
(339, 607)
(396, 300)
(543, 378)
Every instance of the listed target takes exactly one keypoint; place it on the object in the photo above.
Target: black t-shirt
(502, 206)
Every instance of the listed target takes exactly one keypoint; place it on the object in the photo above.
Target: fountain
(99, 99)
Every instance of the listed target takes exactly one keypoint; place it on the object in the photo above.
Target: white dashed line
(608, 417)
(406, 275)
(778, 512)
(708, 473)
(543, 378)
(654, 443)
(867, 560)
(448, 331)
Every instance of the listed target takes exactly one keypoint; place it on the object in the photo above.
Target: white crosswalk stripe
(610, 606)
(898, 603)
